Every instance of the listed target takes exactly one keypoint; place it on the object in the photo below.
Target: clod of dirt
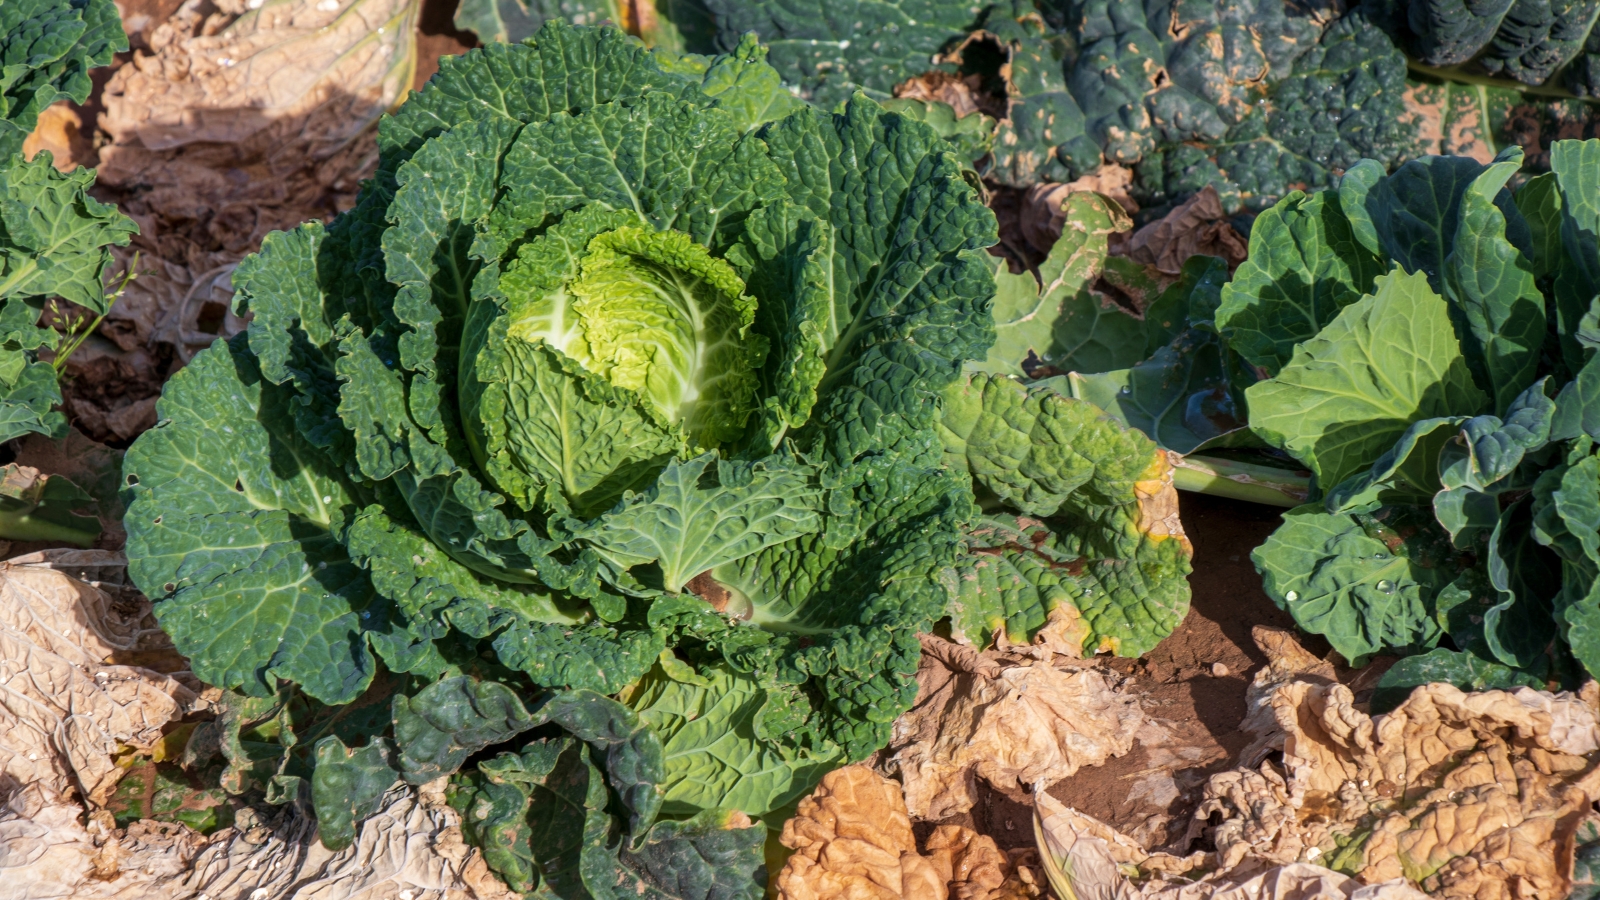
(1464, 795)
(1013, 721)
(66, 708)
(853, 841)
(1197, 226)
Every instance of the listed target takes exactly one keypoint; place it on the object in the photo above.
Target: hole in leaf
(238, 485)
(169, 587)
(133, 480)
(156, 521)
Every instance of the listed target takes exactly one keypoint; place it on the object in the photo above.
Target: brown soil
(1195, 707)
(437, 36)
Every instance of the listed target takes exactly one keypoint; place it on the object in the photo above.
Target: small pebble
(1219, 670)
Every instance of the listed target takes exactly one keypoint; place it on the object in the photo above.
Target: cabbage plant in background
(54, 244)
(1438, 383)
(621, 429)
(1254, 97)
(1425, 342)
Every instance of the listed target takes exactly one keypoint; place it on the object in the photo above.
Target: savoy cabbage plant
(625, 427)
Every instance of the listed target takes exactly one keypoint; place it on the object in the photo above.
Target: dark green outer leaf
(1538, 38)
(1464, 670)
(347, 786)
(234, 530)
(1519, 628)
(1349, 393)
(447, 721)
(1492, 289)
(1451, 32)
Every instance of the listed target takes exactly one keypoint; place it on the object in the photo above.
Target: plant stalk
(24, 525)
(1240, 481)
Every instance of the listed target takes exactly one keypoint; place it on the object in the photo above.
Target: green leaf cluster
(1420, 342)
(54, 237)
(47, 48)
(632, 417)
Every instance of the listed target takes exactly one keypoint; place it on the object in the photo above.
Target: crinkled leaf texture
(1107, 566)
(1384, 362)
(54, 242)
(615, 355)
(541, 816)
(47, 48)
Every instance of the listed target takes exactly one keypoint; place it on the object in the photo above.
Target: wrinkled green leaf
(1305, 265)
(348, 786)
(695, 518)
(440, 726)
(717, 752)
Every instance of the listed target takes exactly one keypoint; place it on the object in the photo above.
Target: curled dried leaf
(1014, 725)
(1196, 227)
(1043, 217)
(1462, 795)
(852, 840)
(66, 707)
(411, 847)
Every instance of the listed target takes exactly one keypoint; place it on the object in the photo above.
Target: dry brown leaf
(1042, 217)
(243, 118)
(65, 706)
(1098, 857)
(1464, 795)
(1012, 721)
(960, 94)
(852, 840)
(1296, 881)
(411, 848)
(1197, 226)
(60, 131)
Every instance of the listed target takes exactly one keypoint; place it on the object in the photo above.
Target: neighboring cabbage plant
(1427, 340)
(54, 239)
(47, 49)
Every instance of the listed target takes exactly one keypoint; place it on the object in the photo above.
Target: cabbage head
(621, 379)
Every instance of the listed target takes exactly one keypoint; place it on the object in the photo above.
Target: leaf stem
(1241, 481)
(77, 336)
(24, 525)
